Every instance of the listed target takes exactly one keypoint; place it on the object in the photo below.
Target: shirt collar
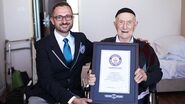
(60, 37)
(131, 40)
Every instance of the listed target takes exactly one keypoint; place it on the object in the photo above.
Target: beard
(64, 27)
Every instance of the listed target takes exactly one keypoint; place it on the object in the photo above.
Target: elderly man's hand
(140, 75)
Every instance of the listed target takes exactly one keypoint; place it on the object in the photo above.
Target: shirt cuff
(71, 100)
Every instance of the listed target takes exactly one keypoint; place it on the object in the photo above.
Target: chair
(153, 95)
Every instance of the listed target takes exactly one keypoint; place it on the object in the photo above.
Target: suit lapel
(77, 47)
(113, 39)
(56, 50)
(58, 53)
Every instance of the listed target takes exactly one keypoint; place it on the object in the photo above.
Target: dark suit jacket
(57, 81)
(147, 60)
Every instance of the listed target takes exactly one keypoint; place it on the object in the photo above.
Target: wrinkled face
(125, 24)
(62, 19)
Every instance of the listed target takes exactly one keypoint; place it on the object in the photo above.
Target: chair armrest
(84, 82)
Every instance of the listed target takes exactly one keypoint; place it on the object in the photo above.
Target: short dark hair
(123, 10)
(60, 4)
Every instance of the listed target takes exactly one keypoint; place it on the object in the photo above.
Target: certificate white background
(114, 79)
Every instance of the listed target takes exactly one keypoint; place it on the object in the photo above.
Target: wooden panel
(171, 98)
(171, 85)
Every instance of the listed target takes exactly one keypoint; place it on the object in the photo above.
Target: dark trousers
(144, 100)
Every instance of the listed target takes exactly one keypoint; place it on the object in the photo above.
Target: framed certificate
(114, 65)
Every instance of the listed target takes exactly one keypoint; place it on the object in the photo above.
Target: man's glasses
(60, 17)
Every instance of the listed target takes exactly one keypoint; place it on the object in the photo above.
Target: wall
(19, 24)
(2, 38)
(183, 18)
(156, 18)
(16, 24)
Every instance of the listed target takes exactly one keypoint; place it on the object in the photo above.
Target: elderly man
(149, 71)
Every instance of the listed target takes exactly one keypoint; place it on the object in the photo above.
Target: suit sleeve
(154, 73)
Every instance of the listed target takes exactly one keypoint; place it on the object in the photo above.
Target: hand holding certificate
(114, 65)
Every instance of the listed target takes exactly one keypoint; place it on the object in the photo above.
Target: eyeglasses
(60, 17)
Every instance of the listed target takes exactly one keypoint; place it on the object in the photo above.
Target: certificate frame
(108, 97)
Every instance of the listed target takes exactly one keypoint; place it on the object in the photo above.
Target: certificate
(115, 69)
(114, 65)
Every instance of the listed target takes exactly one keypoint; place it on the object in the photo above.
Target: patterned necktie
(67, 51)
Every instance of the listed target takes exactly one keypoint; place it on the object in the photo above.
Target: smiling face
(62, 19)
(125, 24)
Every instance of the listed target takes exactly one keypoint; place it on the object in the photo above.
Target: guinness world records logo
(115, 60)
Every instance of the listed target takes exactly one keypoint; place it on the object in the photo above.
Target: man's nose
(64, 20)
(125, 25)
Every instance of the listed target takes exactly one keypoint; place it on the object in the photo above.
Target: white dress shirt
(60, 41)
